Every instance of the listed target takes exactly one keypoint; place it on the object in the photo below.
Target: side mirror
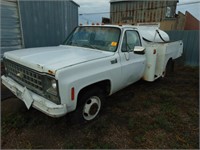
(139, 50)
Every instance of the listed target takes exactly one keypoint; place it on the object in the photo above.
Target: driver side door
(133, 65)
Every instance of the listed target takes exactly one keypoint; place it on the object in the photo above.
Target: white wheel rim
(91, 108)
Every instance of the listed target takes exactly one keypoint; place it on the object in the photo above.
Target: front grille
(25, 76)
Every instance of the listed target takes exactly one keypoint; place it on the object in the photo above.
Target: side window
(131, 39)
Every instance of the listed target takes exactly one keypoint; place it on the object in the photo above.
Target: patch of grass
(14, 121)
(147, 103)
(25, 144)
(194, 115)
(139, 123)
(131, 123)
(139, 139)
(160, 137)
(69, 146)
(89, 143)
(102, 146)
(166, 93)
(163, 123)
(170, 110)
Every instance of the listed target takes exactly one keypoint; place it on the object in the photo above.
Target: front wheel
(89, 105)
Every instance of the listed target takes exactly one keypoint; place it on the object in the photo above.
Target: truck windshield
(101, 38)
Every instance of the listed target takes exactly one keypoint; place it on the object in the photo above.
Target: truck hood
(44, 59)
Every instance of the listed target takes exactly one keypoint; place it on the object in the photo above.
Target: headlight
(53, 84)
(51, 89)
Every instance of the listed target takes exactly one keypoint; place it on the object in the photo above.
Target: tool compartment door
(158, 55)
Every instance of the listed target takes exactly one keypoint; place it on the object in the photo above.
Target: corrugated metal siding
(133, 12)
(47, 23)
(190, 40)
(11, 37)
(71, 20)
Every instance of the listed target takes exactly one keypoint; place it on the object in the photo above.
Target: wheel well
(105, 85)
(170, 59)
(170, 65)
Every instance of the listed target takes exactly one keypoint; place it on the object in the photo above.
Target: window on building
(169, 13)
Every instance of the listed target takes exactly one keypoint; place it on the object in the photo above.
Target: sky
(98, 6)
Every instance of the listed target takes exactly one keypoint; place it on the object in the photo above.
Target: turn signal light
(154, 51)
(72, 93)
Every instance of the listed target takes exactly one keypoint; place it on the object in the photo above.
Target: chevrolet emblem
(20, 74)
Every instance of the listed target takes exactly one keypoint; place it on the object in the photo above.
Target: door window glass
(131, 39)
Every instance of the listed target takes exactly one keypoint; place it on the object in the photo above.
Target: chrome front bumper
(34, 100)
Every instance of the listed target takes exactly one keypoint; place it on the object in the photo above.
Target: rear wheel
(89, 105)
(169, 68)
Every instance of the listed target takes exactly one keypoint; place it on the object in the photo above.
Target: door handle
(113, 61)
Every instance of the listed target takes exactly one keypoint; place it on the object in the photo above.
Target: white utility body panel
(157, 56)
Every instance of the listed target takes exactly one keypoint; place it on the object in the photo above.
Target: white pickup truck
(93, 62)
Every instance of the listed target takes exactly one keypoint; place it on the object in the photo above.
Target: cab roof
(125, 26)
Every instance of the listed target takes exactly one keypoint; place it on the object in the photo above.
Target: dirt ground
(162, 114)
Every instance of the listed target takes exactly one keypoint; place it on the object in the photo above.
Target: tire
(89, 106)
(169, 68)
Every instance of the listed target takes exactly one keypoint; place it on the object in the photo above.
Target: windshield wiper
(91, 46)
(84, 45)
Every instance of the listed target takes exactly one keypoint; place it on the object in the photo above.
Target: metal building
(11, 35)
(139, 11)
(36, 23)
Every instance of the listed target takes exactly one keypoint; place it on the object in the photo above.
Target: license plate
(26, 97)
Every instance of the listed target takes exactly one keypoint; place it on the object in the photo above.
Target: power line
(81, 14)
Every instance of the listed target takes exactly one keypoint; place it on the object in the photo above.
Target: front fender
(83, 75)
